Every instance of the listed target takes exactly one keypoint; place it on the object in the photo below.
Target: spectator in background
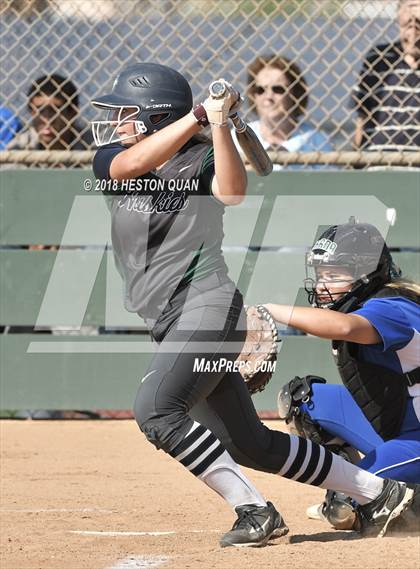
(387, 98)
(53, 102)
(278, 92)
(9, 126)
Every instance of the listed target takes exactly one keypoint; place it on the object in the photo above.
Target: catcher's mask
(147, 95)
(347, 264)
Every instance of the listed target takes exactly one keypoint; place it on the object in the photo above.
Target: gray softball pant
(173, 394)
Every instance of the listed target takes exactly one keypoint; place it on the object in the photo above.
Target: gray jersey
(167, 228)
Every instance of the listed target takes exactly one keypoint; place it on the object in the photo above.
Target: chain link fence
(322, 108)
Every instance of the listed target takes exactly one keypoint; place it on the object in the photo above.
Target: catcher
(361, 302)
(167, 190)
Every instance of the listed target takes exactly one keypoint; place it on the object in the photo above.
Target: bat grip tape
(239, 124)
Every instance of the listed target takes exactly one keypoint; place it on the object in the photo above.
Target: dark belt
(412, 377)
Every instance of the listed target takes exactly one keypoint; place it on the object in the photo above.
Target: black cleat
(386, 512)
(255, 526)
(408, 523)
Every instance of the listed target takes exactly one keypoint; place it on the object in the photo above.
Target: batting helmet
(361, 250)
(149, 95)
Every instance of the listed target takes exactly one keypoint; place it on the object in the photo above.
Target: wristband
(200, 115)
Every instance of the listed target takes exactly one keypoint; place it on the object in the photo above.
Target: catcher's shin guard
(289, 400)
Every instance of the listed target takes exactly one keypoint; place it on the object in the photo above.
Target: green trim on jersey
(208, 158)
(203, 262)
(201, 266)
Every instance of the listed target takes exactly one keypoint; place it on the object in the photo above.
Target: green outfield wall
(76, 284)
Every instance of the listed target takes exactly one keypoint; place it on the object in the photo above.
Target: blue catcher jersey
(397, 321)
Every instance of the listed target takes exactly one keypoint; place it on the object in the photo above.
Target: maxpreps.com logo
(204, 365)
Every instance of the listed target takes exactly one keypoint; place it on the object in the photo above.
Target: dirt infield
(58, 478)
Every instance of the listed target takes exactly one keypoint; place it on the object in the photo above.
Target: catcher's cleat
(255, 526)
(315, 512)
(386, 513)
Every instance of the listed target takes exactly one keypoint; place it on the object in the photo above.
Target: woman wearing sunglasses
(278, 93)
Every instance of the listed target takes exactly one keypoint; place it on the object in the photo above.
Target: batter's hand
(218, 107)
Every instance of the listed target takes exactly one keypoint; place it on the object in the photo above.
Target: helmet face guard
(322, 292)
(153, 95)
(106, 131)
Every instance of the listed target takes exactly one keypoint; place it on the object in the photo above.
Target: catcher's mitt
(259, 353)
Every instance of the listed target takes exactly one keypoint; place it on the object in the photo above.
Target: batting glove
(219, 108)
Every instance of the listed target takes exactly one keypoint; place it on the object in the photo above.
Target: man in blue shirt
(9, 126)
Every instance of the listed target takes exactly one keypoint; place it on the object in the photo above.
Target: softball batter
(167, 245)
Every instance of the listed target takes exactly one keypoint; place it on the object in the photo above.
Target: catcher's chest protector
(380, 392)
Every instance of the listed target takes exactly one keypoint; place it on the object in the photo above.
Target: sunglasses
(277, 89)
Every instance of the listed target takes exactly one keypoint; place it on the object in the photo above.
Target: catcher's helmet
(361, 250)
(149, 95)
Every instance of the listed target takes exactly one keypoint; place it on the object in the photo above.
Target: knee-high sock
(313, 464)
(205, 457)
(226, 478)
